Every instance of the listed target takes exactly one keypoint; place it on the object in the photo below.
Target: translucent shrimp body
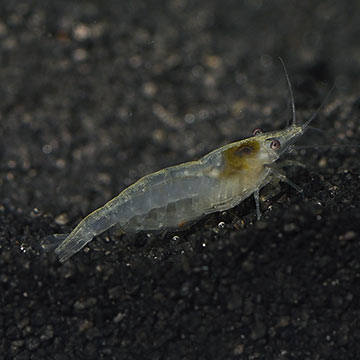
(175, 196)
(172, 197)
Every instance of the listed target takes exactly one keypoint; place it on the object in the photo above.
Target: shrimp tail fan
(51, 242)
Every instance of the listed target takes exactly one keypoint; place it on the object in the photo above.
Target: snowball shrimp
(173, 197)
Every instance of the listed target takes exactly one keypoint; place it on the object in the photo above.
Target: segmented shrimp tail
(51, 242)
(71, 245)
(94, 224)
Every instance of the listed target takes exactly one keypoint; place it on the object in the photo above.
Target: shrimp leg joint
(174, 196)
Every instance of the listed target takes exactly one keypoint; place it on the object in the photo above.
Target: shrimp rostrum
(180, 194)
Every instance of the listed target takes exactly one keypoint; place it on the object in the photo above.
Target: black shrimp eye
(257, 131)
(275, 145)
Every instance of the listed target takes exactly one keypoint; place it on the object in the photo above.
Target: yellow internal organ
(240, 158)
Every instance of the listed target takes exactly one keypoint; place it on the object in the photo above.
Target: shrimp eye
(257, 131)
(275, 145)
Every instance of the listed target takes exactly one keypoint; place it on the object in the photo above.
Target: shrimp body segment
(174, 196)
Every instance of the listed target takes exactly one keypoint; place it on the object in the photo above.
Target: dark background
(94, 95)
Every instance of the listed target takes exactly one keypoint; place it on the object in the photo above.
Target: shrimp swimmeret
(177, 195)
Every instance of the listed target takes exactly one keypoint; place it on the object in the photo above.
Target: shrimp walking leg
(288, 162)
(284, 179)
(257, 203)
(274, 189)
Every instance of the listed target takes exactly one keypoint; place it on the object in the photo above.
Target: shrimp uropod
(180, 194)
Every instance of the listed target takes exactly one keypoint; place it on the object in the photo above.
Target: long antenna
(314, 115)
(293, 122)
